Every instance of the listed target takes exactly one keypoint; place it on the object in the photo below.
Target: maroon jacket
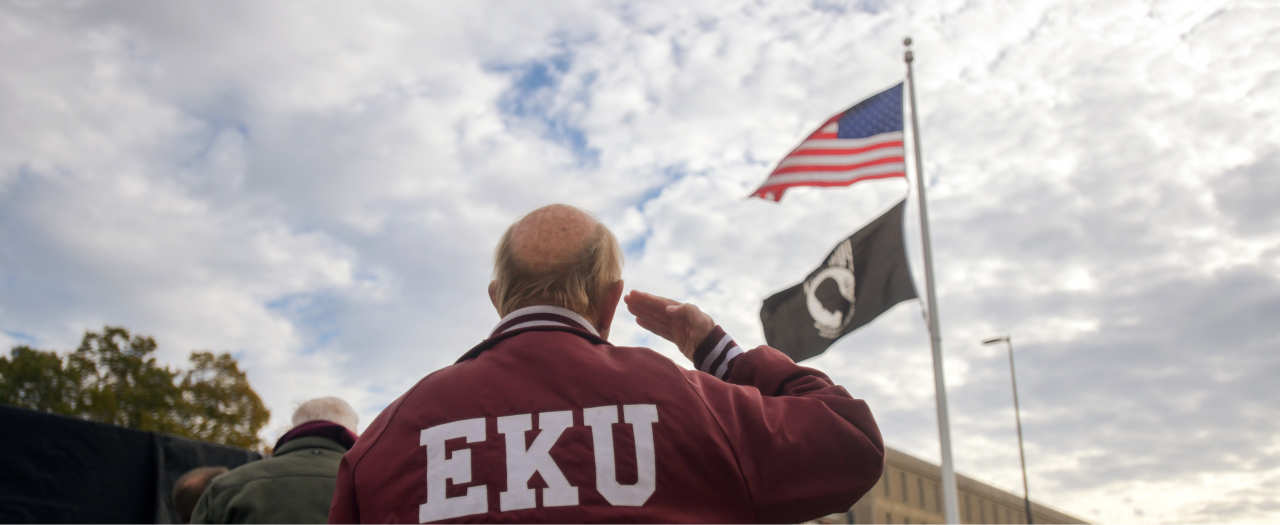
(622, 434)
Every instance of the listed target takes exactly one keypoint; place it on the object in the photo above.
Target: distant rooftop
(910, 491)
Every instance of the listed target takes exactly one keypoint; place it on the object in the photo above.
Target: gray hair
(326, 409)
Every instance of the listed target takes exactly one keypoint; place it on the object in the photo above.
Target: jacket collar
(537, 318)
(542, 315)
(308, 442)
(320, 428)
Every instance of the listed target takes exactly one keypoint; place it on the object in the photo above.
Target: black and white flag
(864, 276)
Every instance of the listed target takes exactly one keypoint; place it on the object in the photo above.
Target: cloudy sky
(317, 188)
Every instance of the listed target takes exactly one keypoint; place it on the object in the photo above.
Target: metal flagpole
(950, 501)
(1017, 415)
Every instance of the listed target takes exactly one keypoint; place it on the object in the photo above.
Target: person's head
(189, 487)
(561, 256)
(326, 409)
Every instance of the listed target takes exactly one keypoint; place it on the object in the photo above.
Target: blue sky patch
(315, 315)
(533, 98)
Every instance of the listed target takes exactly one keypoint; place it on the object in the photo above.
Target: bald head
(552, 236)
(561, 256)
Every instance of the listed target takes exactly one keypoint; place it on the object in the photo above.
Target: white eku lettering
(523, 462)
(457, 468)
(641, 418)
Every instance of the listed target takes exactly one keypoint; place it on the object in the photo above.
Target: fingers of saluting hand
(681, 323)
(650, 307)
(638, 301)
(653, 314)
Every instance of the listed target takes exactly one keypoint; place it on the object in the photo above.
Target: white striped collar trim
(542, 315)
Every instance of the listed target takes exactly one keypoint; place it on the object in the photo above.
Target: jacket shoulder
(305, 461)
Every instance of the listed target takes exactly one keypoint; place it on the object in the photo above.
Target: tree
(220, 405)
(112, 378)
(38, 380)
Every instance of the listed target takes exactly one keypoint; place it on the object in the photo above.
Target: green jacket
(295, 485)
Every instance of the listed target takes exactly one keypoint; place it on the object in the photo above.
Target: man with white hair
(296, 484)
(546, 421)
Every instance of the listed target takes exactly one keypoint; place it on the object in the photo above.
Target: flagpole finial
(906, 41)
(908, 56)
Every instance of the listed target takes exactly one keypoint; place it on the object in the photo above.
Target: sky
(317, 187)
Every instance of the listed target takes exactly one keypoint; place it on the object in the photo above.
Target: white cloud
(317, 187)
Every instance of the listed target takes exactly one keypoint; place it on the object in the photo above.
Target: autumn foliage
(113, 378)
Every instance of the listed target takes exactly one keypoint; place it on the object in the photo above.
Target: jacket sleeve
(806, 447)
(344, 509)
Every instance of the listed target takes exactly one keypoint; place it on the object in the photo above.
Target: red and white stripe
(824, 160)
(716, 353)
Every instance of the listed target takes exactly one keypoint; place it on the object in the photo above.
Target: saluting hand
(681, 323)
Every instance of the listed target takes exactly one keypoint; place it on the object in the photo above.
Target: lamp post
(1013, 376)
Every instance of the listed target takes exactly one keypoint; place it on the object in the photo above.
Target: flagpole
(1017, 417)
(951, 502)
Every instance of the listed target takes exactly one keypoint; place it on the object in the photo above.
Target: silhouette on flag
(861, 143)
(860, 279)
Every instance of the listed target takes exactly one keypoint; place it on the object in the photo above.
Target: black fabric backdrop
(58, 469)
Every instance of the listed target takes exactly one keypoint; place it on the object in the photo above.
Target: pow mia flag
(864, 275)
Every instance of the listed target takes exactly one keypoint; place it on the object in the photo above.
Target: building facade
(910, 491)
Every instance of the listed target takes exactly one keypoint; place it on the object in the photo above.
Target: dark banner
(58, 469)
(860, 279)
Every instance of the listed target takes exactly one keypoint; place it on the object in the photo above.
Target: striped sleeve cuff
(716, 353)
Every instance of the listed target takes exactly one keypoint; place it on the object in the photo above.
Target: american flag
(861, 143)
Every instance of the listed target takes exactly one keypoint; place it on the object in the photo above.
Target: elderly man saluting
(547, 421)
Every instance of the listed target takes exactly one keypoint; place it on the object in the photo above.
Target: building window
(937, 498)
(888, 517)
(982, 510)
(920, 486)
(885, 479)
(903, 477)
(968, 509)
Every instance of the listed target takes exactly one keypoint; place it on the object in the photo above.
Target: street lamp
(1026, 494)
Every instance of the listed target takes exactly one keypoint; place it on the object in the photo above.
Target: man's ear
(493, 296)
(606, 309)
